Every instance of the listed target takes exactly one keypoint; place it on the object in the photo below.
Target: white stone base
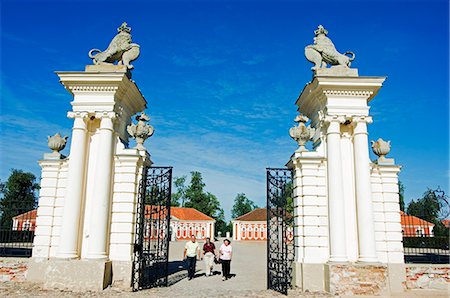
(121, 274)
(74, 275)
(309, 277)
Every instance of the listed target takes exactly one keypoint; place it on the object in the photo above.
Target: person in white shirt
(226, 252)
(191, 251)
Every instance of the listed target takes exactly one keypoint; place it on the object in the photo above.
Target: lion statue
(323, 52)
(120, 49)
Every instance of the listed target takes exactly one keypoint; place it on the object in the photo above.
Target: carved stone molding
(362, 93)
(84, 88)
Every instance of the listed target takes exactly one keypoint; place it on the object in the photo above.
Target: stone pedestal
(86, 212)
(74, 275)
(347, 220)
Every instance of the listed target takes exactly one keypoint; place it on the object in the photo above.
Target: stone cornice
(118, 85)
(394, 169)
(316, 93)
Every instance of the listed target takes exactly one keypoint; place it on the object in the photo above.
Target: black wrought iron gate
(151, 248)
(280, 229)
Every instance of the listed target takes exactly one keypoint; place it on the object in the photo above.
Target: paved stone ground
(248, 267)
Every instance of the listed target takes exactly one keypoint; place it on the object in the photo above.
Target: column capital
(327, 118)
(73, 115)
(361, 119)
(92, 115)
(359, 124)
(105, 114)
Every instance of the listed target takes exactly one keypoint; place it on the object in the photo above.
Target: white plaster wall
(310, 209)
(50, 204)
(128, 167)
(386, 206)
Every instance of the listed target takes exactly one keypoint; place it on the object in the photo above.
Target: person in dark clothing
(191, 250)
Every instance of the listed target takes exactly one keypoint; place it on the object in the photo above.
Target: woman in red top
(209, 253)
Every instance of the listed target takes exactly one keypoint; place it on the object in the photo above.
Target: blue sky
(221, 79)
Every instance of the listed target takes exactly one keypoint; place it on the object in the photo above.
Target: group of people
(210, 255)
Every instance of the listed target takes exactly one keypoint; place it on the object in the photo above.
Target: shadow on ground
(177, 272)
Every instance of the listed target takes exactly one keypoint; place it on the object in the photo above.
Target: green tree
(19, 196)
(431, 207)
(242, 205)
(206, 202)
(427, 207)
(180, 194)
(288, 192)
(401, 194)
(221, 224)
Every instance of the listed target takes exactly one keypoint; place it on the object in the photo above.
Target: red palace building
(251, 226)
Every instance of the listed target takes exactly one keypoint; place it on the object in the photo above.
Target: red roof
(446, 223)
(27, 215)
(181, 213)
(410, 220)
(188, 214)
(259, 214)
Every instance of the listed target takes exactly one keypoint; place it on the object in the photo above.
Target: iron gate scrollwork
(151, 247)
(280, 229)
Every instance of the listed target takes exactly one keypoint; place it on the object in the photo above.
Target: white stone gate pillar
(358, 191)
(366, 232)
(68, 247)
(93, 223)
(338, 249)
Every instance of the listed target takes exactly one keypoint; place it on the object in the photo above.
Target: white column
(336, 215)
(238, 231)
(68, 241)
(102, 200)
(366, 232)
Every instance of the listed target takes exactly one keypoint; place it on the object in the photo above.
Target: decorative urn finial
(56, 143)
(301, 133)
(140, 131)
(381, 148)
